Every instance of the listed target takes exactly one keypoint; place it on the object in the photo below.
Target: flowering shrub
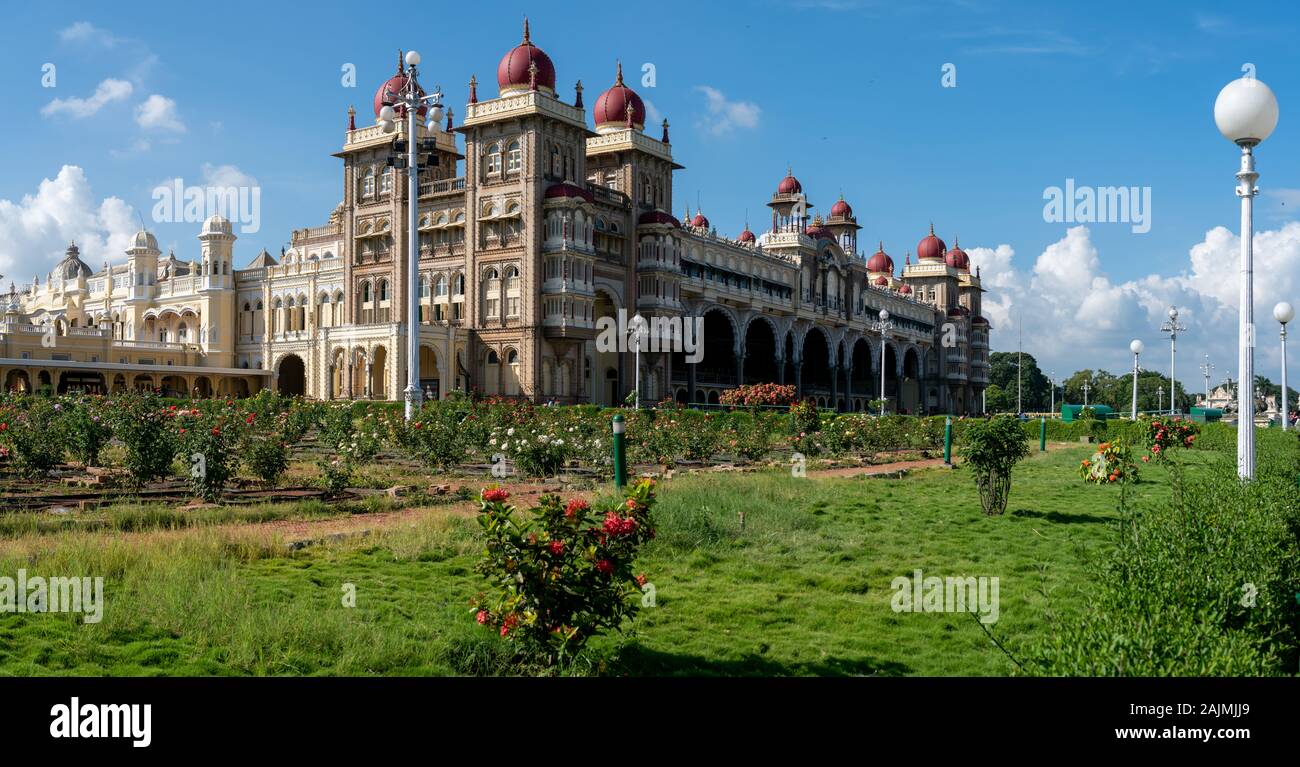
(30, 436)
(206, 441)
(338, 434)
(538, 449)
(562, 573)
(1113, 462)
(146, 431)
(435, 434)
(1163, 434)
(750, 435)
(264, 452)
(84, 429)
(751, 395)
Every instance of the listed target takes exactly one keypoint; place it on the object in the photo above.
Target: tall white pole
(1135, 386)
(413, 393)
(1286, 413)
(882, 369)
(1246, 178)
(1173, 387)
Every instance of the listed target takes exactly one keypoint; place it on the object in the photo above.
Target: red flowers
(509, 624)
(495, 495)
(216, 432)
(482, 617)
(575, 507)
(641, 579)
(249, 419)
(605, 566)
(557, 547)
(616, 525)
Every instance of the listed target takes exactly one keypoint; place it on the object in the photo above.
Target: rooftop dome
(882, 281)
(611, 110)
(145, 240)
(905, 289)
(72, 267)
(930, 248)
(841, 209)
(700, 221)
(957, 258)
(789, 184)
(817, 230)
(514, 72)
(880, 261)
(216, 224)
(746, 236)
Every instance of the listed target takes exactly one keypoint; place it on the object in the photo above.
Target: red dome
(512, 72)
(841, 209)
(652, 217)
(384, 97)
(930, 248)
(700, 221)
(819, 232)
(789, 185)
(905, 289)
(746, 236)
(880, 261)
(957, 258)
(611, 107)
(882, 281)
(566, 189)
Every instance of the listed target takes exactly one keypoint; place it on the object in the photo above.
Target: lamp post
(1160, 398)
(1284, 313)
(638, 330)
(883, 326)
(1206, 367)
(1173, 328)
(411, 99)
(1085, 394)
(1051, 388)
(1245, 112)
(1136, 347)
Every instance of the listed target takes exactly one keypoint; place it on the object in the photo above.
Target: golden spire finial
(526, 30)
(619, 80)
(931, 228)
(401, 62)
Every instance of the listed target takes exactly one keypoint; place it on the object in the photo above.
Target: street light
(1160, 398)
(1173, 329)
(1206, 368)
(1051, 387)
(1085, 394)
(1284, 313)
(882, 327)
(1136, 347)
(1246, 114)
(410, 98)
(638, 332)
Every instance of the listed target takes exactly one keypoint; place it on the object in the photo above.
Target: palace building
(533, 224)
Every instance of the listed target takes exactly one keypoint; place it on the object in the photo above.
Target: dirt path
(297, 533)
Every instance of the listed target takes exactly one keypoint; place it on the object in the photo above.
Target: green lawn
(804, 588)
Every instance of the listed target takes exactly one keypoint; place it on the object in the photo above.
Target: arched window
(514, 157)
(511, 387)
(368, 183)
(440, 289)
(383, 290)
(512, 291)
(491, 294)
(494, 160)
(386, 182)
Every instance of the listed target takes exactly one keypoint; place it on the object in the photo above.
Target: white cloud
(86, 33)
(726, 116)
(35, 231)
(107, 92)
(225, 176)
(159, 113)
(1076, 317)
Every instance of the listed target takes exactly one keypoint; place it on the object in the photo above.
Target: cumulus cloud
(225, 176)
(106, 93)
(35, 231)
(1075, 316)
(725, 115)
(158, 113)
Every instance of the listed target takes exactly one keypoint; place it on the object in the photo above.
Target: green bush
(30, 435)
(84, 428)
(992, 448)
(147, 433)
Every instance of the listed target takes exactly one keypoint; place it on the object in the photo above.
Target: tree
(992, 448)
(1002, 373)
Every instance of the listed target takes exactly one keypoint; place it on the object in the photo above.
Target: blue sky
(848, 93)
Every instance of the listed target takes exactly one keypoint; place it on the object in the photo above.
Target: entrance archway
(293, 376)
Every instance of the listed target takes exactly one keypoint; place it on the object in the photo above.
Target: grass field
(804, 588)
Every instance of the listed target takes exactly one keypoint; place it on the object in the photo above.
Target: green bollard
(620, 462)
(947, 441)
(1042, 435)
